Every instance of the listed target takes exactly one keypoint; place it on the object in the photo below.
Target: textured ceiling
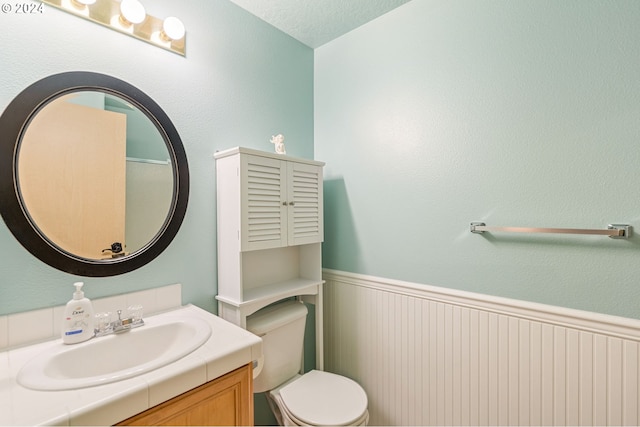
(316, 22)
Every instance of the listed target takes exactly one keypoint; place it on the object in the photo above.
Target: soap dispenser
(77, 324)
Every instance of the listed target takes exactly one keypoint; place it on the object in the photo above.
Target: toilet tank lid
(275, 316)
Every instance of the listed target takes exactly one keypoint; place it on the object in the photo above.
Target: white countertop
(229, 347)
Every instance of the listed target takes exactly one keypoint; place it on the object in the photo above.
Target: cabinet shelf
(255, 299)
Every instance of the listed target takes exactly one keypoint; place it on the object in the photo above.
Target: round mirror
(93, 176)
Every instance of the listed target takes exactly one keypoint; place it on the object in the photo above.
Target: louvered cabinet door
(264, 208)
(304, 200)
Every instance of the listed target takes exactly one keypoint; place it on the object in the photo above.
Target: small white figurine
(278, 140)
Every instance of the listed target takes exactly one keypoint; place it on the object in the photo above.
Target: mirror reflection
(94, 175)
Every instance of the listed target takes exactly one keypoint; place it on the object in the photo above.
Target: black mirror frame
(13, 123)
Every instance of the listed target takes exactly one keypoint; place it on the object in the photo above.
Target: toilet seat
(323, 398)
(285, 418)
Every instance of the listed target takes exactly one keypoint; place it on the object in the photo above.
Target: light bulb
(132, 12)
(81, 6)
(82, 3)
(172, 29)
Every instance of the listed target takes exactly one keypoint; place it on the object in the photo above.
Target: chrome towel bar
(615, 231)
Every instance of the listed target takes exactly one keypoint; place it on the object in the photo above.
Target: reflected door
(72, 176)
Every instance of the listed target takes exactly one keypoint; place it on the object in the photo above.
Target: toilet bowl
(314, 398)
(319, 398)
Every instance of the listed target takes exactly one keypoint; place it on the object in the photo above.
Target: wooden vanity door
(225, 401)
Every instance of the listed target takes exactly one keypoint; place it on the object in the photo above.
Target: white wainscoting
(434, 356)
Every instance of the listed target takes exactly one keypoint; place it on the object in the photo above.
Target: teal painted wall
(514, 112)
(434, 115)
(241, 82)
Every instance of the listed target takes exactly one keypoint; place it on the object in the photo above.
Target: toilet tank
(281, 327)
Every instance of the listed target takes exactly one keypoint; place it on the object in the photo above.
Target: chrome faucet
(105, 326)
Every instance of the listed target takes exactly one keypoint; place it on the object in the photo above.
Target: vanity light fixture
(129, 17)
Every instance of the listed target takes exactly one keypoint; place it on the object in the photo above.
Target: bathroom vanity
(212, 385)
(225, 401)
(185, 365)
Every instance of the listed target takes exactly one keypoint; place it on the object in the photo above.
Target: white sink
(163, 339)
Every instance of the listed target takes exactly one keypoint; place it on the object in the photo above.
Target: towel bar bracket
(614, 231)
(623, 229)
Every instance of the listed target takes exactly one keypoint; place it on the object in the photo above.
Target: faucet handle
(103, 323)
(135, 313)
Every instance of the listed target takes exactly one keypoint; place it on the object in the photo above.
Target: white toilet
(315, 398)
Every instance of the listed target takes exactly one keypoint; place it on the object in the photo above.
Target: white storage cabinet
(270, 230)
